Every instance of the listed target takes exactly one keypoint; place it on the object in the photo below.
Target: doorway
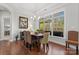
(5, 23)
(7, 28)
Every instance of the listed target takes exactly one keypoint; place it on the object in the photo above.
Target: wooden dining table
(37, 37)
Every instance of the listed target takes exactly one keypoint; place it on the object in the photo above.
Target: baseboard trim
(61, 45)
(56, 43)
(7, 40)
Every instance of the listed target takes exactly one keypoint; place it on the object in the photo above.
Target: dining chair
(72, 40)
(44, 40)
(27, 39)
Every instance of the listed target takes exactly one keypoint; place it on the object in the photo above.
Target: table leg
(38, 45)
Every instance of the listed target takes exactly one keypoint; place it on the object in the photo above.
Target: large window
(45, 24)
(58, 24)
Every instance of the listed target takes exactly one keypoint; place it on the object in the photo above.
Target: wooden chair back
(45, 35)
(45, 38)
(73, 35)
(27, 37)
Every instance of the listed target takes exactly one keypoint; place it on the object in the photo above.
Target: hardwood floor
(17, 48)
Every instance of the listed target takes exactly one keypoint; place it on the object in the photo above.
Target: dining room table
(37, 37)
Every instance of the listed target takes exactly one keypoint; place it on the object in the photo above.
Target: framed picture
(23, 22)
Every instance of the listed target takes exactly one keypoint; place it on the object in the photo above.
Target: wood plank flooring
(17, 48)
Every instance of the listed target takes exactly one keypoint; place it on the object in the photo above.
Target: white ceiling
(29, 7)
(32, 7)
(2, 8)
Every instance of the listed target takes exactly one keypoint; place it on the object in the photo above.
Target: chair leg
(24, 42)
(77, 49)
(47, 45)
(44, 47)
(30, 46)
(66, 44)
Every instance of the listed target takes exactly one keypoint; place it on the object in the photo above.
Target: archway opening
(5, 23)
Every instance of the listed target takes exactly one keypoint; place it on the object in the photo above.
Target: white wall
(15, 24)
(71, 19)
(15, 20)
